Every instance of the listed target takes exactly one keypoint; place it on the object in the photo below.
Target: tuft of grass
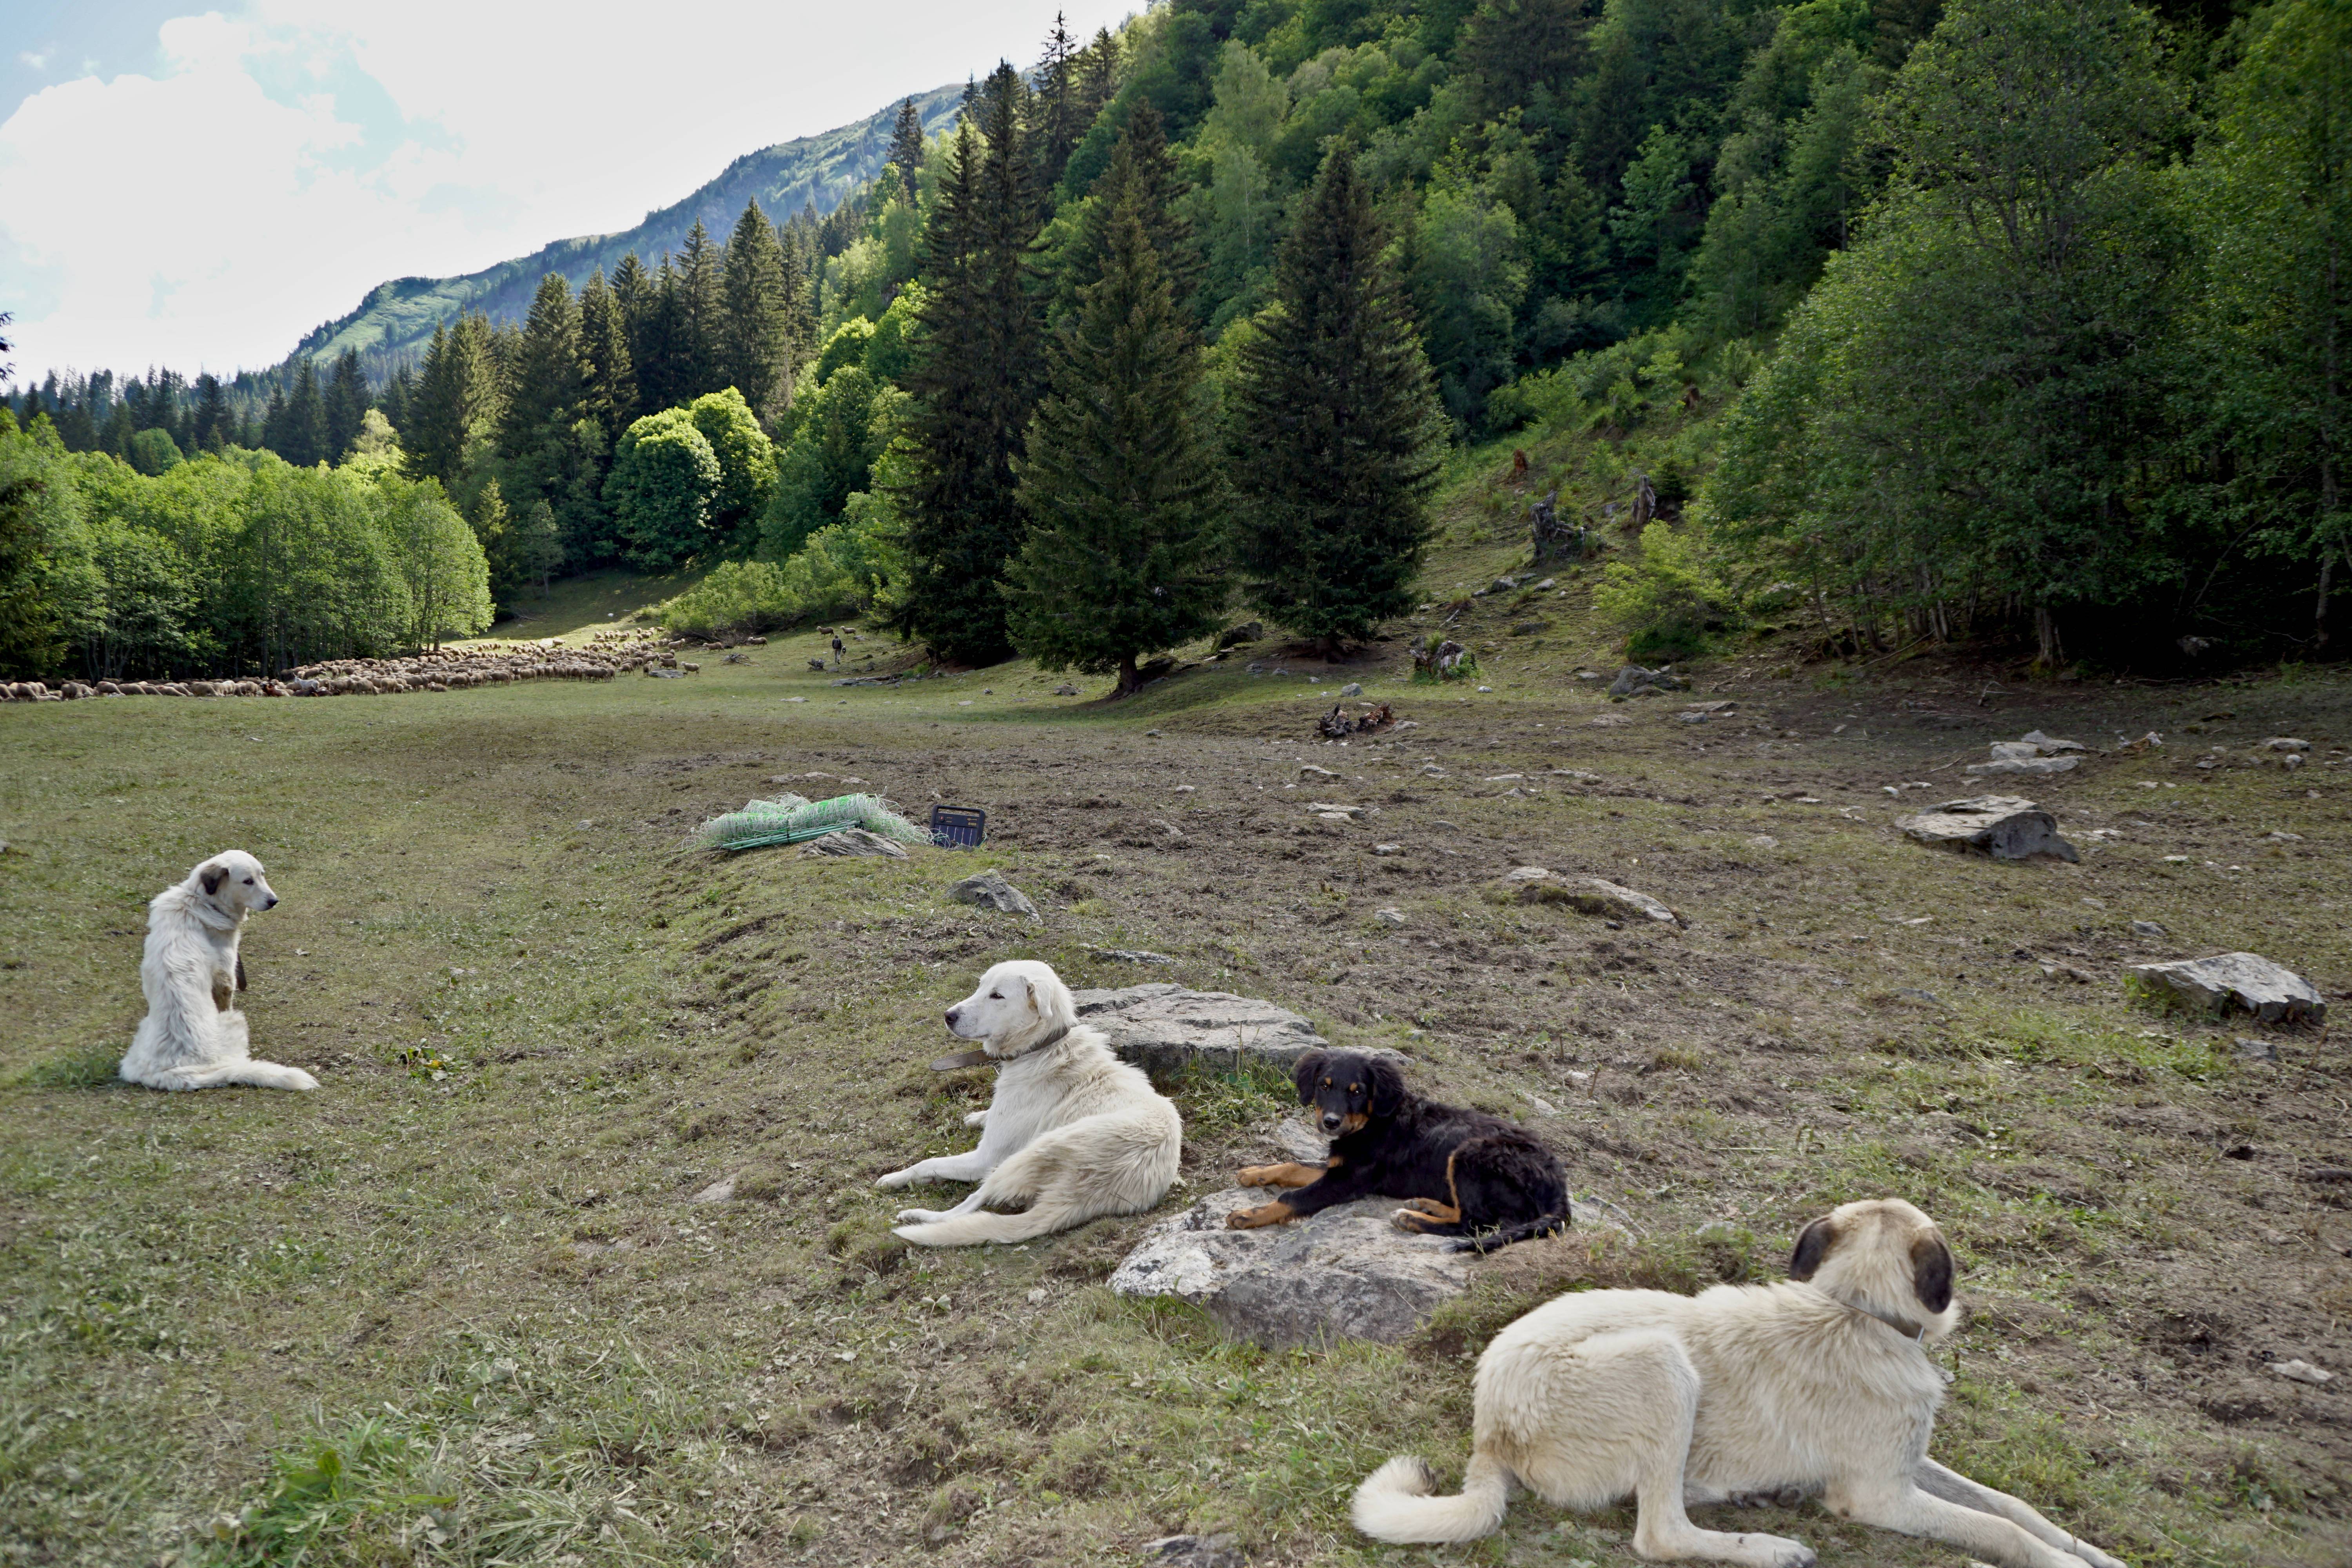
(90, 1067)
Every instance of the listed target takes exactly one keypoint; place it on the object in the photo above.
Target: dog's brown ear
(1813, 1245)
(1308, 1068)
(1387, 1087)
(211, 877)
(1029, 988)
(1931, 1272)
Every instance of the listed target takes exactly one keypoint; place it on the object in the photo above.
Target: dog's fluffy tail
(216, 1075)
(1396, 1502)
(1526, 1230)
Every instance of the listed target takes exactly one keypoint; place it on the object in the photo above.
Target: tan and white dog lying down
(194, 1037)
(1073, 1132)
(1819, 1384)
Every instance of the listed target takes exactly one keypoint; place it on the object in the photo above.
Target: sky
(197, 189)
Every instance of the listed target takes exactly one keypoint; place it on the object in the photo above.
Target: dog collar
(1054, 1038)
(1916, 1332)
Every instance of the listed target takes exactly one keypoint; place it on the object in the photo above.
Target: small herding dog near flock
(1461, 1172)
(1073, 1132)
(194, 1037)
(1818, 1384)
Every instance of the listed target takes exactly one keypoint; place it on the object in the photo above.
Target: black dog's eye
(1355, 1088)
(1327, 1083)
(248, 882)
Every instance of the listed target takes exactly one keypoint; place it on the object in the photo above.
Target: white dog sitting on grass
(1073, 1132)
(194, 1037)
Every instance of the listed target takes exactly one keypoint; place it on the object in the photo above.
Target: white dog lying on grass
(1073, 1132)
(194, 1037)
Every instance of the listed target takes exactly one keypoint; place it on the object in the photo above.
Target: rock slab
(1999, 826)
(2216, 984)
(990, 889)
(1163, 1028)
(1344, 1273)
(1590, 895)
(856, 841)
(1634, 681)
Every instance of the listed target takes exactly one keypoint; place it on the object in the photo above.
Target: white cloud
(293, 153)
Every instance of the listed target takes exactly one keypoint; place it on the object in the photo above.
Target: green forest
(2020, 322)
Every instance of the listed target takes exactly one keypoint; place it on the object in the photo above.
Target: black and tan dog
(1461, 1172)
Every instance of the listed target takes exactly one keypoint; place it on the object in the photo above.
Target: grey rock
(717, 1192)
(1590, 895)
(1131, 954)
(1353, 688)
(1066, 689)
(1165, 1028)
(2148, 929)
(1634, 681)
(2036, 765)
(2216, 984)
(855, 841)
(1389, 917)
(1241, 634)
(1344, 1273)
(2000, 826)
(2049, 746)
(989, 889)
(2254, 1050)
(1195, 1551)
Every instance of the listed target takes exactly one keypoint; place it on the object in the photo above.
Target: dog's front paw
(895, 1179)
(918, 1216)
(296, 1079)
(1263, 1214)
(1775, 1552)
(1256, 1176)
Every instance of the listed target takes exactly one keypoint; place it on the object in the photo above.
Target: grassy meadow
(462, 1305)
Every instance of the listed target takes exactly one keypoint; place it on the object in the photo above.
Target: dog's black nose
(952, 1017)
(272, 903)
(1330, 1122)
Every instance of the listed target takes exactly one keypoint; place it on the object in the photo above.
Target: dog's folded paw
(918, 1216)
(296, 1079)
(895, 1179)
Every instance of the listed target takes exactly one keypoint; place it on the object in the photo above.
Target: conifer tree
(547, 382)
(1334, 427)
(658, 345)
(975, 382)
(1119, 478)
(455, 402)
(347, 405)
(608, 392)
(756, 348)
(907, 145)
(1141, 161)
(1055, 109)
(304, 430)
(396, 394)
(1098, 73)
(214, 428)
(632, 297)
(702, 306)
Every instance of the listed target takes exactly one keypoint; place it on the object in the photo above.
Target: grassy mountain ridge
(397, 317)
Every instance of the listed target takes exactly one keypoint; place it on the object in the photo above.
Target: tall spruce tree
(609, 393)
(658, 346)
(215, 427)
(303, 432)
(547, 380)
(457, 401)
(975, 383)
(1141, 161)
(1118, 477)
(907, 145)
(756, 346)
(1055, 110)
(1335, 428)
(702, 313)
(632, 297)
(347, 405)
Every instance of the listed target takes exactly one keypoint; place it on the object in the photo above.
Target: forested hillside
(2018, 321)
(816, 172)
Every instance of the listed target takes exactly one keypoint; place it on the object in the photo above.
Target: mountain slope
(396, 318)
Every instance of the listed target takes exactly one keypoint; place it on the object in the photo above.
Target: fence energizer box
(958, 826)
